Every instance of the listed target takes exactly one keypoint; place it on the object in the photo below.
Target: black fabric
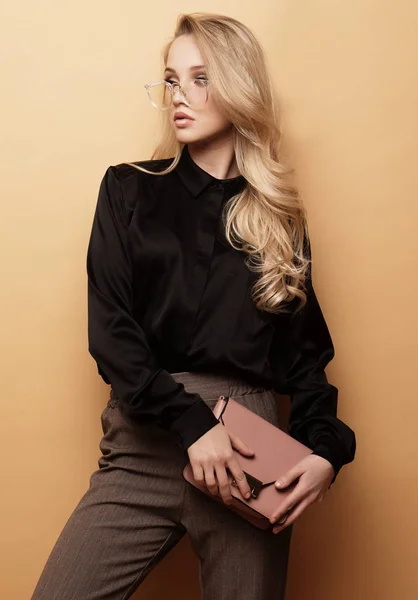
(167, 293)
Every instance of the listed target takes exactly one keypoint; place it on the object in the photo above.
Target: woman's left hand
(315, 474)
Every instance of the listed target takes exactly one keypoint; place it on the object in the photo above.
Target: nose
(179, 97)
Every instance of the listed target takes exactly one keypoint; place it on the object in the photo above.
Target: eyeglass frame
(172, 91)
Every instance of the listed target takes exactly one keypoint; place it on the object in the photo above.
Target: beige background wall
(72, 103)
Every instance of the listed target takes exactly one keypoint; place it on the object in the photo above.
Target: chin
(189, 137)
(185, 137)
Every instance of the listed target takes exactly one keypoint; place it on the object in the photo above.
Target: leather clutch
(275, 452)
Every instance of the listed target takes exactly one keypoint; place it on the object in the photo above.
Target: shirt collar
(196, 179)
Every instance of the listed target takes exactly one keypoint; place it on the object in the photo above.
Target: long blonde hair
(267, 219)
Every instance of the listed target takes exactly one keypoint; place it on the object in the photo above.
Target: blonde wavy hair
(266, 220)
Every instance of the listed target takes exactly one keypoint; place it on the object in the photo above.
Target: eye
(170, 81)
(202, 81)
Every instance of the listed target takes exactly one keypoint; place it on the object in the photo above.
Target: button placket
(212, 202)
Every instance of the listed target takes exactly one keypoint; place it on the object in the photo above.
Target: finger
(289, 477)
(210, 480)
(239, 476)
(296, 512)
(223, 483)
(292, 500)
(240, 445)
(198, 472)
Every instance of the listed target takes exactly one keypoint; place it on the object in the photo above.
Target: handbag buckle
(254, 483)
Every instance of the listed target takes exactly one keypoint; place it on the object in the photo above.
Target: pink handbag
(275, 452)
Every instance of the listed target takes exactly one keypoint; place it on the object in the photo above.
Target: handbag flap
(275, 452)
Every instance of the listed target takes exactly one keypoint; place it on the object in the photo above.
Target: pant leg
(237, 560)
(127, 520)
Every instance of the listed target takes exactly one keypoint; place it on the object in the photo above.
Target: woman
(199, 284)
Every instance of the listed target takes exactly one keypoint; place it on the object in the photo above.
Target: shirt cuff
(331, 451)
(193, 423)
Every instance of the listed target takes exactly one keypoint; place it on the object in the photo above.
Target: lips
(181, 115)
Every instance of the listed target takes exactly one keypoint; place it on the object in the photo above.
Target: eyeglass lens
(195, 93)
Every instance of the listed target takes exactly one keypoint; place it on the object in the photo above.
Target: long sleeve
(147, 391)
(300, 351)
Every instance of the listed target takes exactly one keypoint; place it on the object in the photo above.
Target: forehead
(184, 55)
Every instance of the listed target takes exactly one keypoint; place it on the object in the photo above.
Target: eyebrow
(194, 68)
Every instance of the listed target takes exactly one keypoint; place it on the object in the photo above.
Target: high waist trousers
(138, 506)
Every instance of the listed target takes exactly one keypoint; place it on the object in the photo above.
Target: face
(207, 122)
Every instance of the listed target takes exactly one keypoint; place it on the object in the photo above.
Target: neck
(215, 157)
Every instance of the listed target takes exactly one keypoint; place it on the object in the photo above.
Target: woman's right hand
(211, 454)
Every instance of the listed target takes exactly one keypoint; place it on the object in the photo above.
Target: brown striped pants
(138, 506)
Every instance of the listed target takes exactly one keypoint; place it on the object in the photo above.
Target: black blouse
(167, 293)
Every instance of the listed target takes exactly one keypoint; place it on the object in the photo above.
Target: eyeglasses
(160, 93)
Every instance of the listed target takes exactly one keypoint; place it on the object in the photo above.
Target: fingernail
(248, 495)
(279, 483)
